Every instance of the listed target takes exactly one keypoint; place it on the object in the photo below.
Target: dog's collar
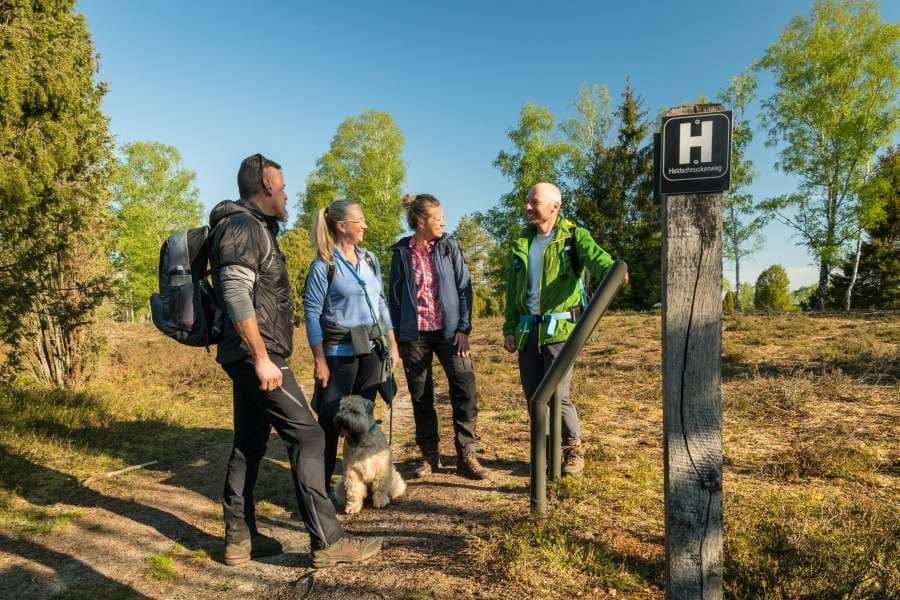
(374, 424)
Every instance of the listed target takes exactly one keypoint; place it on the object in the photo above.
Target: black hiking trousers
(417, 364)
(255, 413)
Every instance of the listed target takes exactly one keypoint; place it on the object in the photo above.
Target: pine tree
(55, 159)
(616, 204)
(878, 275)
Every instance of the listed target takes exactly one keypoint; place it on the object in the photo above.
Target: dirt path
(126, 526)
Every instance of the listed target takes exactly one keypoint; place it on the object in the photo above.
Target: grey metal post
(605, 293)
(555, 435)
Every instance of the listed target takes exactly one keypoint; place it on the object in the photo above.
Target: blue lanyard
(362, 284)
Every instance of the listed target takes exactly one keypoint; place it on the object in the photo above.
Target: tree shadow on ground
(77, 579)
(866, 367)
(44, 486)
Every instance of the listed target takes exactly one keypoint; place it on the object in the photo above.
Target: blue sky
(223, 80)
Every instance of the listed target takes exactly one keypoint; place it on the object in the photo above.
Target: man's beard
(283, 215)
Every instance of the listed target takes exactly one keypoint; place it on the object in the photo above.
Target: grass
(161, 566)
(812, 461)
(39, 521)
(810, 406)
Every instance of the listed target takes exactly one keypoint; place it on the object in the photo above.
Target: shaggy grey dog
(368, 464)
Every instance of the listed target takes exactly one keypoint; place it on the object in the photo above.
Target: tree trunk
(737, 282)
(819, 303)
(848, 294)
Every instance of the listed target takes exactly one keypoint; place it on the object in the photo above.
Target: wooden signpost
(695, 149)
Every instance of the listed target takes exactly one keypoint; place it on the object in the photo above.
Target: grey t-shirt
(535, 269)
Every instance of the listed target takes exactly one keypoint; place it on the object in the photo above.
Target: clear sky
(222, 80)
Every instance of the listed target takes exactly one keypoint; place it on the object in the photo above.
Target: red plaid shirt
(428, 304)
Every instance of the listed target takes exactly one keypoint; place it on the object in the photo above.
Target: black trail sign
(696, 153)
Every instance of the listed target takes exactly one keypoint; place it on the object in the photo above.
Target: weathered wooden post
(695, 169)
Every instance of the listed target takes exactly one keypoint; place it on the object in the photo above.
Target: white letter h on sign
(686, 141)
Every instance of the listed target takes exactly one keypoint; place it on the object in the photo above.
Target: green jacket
(560, 285)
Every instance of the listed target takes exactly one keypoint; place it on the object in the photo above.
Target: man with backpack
(251, 283)
(544, 296)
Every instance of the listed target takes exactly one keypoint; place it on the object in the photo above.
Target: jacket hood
(404, 241)
(226, 208)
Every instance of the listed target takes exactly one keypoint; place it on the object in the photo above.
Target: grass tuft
(161, 567)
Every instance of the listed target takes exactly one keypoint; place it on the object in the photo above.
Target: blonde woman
(347, 318)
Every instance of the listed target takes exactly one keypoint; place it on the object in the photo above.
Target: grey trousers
(534, 363)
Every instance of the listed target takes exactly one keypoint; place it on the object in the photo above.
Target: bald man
(543, 299)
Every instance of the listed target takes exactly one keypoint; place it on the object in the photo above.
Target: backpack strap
(583, 277)
(267, 257)
(179, 259)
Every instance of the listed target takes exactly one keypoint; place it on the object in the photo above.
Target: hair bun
(407, 200)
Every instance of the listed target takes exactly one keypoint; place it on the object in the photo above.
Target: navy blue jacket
(454, 289)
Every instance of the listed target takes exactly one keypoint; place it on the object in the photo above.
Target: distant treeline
(81, 222)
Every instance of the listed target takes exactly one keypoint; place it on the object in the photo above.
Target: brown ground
(175, 510)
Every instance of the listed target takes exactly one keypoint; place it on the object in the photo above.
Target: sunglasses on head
(262, 167)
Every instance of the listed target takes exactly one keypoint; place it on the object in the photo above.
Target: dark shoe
(431, 463)
(573, 460)
(346, 550)
(237, 553)
(467, 465)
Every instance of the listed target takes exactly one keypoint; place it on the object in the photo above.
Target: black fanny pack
(364, 339)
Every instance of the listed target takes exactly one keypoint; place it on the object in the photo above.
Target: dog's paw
(380, 500)
(352, 509)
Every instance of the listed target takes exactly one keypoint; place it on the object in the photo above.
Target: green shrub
(772, 290)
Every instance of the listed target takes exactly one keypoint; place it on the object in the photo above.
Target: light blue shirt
(345, 304)
(536, 270)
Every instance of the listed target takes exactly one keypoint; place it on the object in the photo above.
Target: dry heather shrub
(794, 547)
(830, 454)
(769, 397)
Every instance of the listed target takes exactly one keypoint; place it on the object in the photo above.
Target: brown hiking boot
(467, 465)
(346, 550)
(431, 463)
(237, 553)
(573, 459)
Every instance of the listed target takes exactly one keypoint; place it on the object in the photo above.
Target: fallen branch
(119, 472)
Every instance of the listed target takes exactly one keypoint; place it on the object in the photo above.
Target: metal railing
(600, 301)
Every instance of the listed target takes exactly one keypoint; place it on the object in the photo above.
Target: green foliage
(478, 247)
(746, 294)
(614, 201)
(878, 276)
(772, 290)
(539, 154)
(55, 153)
(728, 303)
(152, 198)
(837, 75)
(364, 164)
(803, 297)
(297, 249)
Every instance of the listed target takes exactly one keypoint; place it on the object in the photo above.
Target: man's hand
(509, 343)
(268, 373)
(461, 341)
(624, 283)
(321, 373)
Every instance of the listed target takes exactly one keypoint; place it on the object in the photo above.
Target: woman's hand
(321, 373)
(461, 341)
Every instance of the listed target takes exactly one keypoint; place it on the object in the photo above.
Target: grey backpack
(185, 308)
